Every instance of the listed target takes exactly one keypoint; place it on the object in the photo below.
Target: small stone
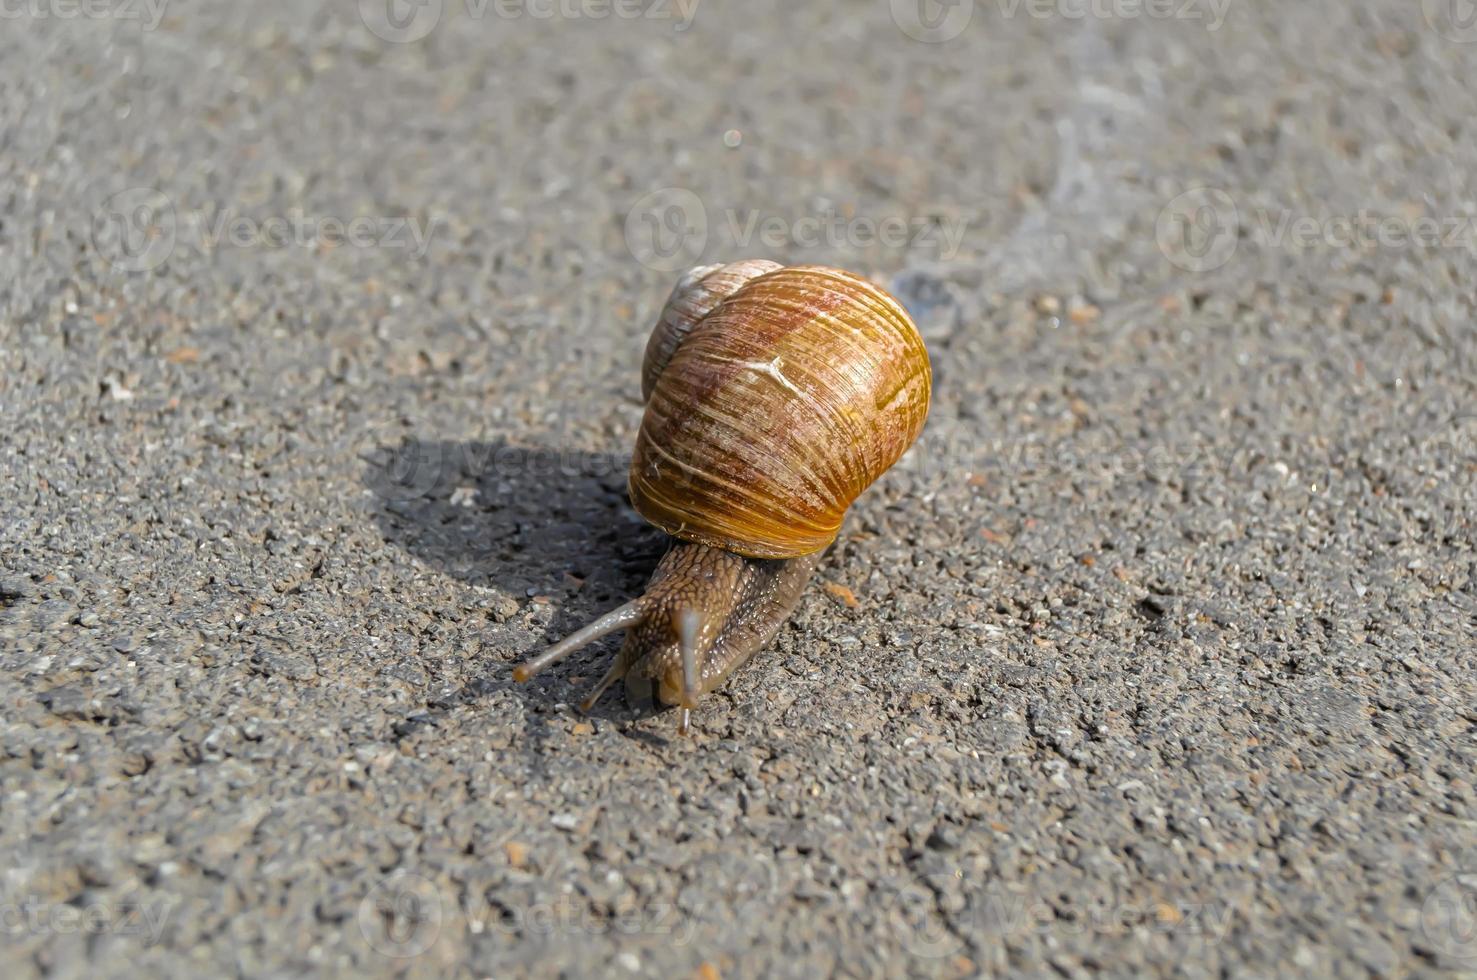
(565, 821)
(15, 587)
(841, 592)
(412, 724)
(516, 853)
(71, 702)
(943, 838)
(1084, 313)
(1167, 914)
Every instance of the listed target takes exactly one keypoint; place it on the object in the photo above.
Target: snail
(774, 397)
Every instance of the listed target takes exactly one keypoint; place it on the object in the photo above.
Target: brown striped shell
(776, 409)
(693, 298)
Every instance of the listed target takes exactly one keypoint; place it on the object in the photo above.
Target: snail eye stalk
(686, 624)
(622, 617)
(616, 672)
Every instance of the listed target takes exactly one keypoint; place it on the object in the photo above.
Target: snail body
(774, 397)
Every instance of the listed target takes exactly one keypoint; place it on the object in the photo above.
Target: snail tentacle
(686, 622)
(622, 617)
(616, 672)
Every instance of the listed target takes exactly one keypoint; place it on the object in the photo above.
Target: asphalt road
(319, 346)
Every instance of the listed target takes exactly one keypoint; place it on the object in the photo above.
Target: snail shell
(775, 397)
(696, 293)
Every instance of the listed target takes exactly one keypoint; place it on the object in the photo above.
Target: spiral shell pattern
(693, 298)
(776, 409)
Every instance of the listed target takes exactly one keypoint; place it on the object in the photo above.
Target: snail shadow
(551, 529)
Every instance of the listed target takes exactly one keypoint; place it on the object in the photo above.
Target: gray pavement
(319, 345)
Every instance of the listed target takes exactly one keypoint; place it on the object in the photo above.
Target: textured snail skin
(704, 613)
(775, 396)
(741, 603)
